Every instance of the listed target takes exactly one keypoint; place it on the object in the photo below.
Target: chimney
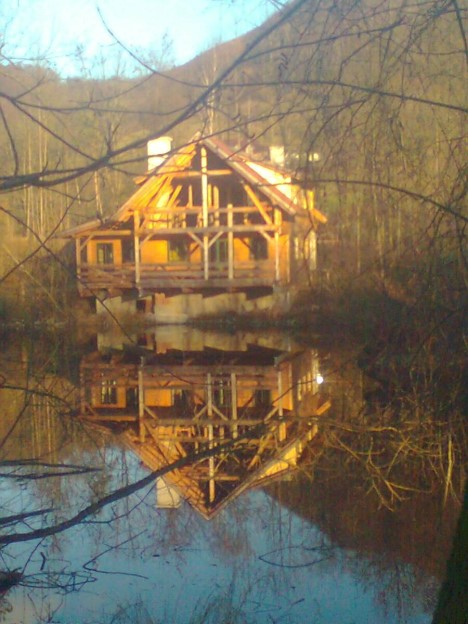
(277, 156)
(158, 150)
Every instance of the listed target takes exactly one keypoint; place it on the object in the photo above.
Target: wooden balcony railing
(105, 277)
(170, 275)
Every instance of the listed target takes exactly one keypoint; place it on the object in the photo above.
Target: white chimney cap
(277, 155)
(157, 151)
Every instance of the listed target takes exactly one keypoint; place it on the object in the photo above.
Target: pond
(189, 476)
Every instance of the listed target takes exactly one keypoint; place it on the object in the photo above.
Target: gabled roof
(271, 181)
(245, 168)
(187, 481)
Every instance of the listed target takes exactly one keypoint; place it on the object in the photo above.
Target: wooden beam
(280, 393)
(141, 402)
(78, 249)
(136, 245)
(173, 198)
(321, 409)
(209, 395)
(204, 185)
(206, 258)
(85, 242)
(198, 174)
(258, 204)
(223, 229)
(234, 428)
(230, 243)
(212, 484)
(110, 417)
(204, 422)
(214, 239)
(277, 249)
(192, 209)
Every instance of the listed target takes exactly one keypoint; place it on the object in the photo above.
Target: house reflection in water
(170, 403)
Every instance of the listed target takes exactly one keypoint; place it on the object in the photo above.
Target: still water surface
(260, 533)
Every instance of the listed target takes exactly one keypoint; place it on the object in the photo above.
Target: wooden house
(209, 229)
(171, 406)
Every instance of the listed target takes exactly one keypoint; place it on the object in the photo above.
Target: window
(109, 393)
(177, 250)
(258, 248)
(131, 395)
(105, 253)
(182, 399)
(262, 398)
(128, 251)
(219, 251)
(222, 395)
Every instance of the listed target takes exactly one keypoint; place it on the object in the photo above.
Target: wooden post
(136, 241)
(204, 189)
(78, 261)
(312, 250)
(230, 223)
(277, 249)
(280, 393)
(82, 394)
(209, 395)
(211, 462)
(234, 405)
(141, 401)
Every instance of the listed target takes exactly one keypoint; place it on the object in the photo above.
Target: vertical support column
(204, 189)
(312, 250)
(136, 244)
(209, 395)
(83, 393)
(78, 262)
(277, 219)
(234, 405)
(230, 222)
(280, 393)
(141, 401)
(211, 463)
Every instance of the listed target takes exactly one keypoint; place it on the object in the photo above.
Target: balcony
(169, 276)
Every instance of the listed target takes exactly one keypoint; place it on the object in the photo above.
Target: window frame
(177, 250)
(102, 253)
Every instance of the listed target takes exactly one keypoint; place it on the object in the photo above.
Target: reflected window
(105, 253)
(109, 393)
(222, 395)
(131, 396)
(262, 398)
(181, 398)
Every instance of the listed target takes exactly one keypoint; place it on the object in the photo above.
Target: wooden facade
(173, 405)
(207, 220)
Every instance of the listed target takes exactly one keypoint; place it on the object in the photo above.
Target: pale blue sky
(54, 28)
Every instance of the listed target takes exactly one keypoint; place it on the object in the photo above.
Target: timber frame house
(206, 220)
(170, 406)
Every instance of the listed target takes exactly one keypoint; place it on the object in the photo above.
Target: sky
(164, 31)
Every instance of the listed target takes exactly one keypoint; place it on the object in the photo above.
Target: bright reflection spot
(319, 379)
